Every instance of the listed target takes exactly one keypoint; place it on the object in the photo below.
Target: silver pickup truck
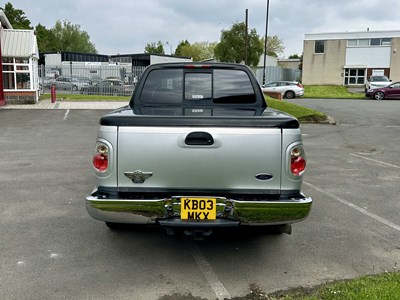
(198, 149)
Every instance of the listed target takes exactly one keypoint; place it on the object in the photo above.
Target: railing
(90, 79)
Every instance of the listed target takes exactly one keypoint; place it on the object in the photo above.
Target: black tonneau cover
(270, 118)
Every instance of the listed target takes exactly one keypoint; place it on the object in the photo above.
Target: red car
(391, 91)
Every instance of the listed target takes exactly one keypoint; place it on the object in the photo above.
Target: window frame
(18, 67)
(319, 47)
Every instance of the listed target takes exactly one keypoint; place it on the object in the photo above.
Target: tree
(294, 56)
(179, 48)
(17, 17)
(231, 47)
(155, 48)
(70, 37)
(45, 38)
(274, 46)
(197, 51)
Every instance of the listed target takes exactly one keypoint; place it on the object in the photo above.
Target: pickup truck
(197, 149)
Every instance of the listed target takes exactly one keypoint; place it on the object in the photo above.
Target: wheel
(379, 96)
(290, 95)
(74, 88)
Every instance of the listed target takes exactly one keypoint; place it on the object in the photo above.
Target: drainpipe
(2, 100)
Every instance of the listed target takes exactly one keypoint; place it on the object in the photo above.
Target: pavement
(47, 104)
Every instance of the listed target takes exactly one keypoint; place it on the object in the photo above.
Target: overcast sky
(121, 27)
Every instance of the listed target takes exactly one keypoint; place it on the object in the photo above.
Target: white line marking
(376, 161)
(66, 114)
(356, 207)
(212, 278)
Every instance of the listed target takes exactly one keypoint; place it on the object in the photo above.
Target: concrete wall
(395, 60)
(324, 68)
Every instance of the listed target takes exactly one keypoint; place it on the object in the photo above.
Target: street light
(265, 41)
(170, 46)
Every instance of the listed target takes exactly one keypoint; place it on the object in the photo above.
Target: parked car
(46, 82)
(391, 91)
(376, 82)
(71, 83)
(289, 89)
(112, 87)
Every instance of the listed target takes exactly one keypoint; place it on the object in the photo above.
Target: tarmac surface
(47, 104)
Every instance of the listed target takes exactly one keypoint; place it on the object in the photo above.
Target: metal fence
(89, 78)
(120, 80)
(277, 74)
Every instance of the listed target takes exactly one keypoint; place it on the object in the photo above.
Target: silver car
(289, 89)
(375, 82)
(71, 83)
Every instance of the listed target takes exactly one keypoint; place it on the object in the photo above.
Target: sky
(125, 27)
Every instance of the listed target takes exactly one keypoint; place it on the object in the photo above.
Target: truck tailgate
(208, 159)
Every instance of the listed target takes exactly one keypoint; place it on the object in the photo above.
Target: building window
(354, 76)
(369, 42)
(16, 73)
(319, 47)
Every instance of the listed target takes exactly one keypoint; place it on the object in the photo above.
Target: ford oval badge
(264, 176)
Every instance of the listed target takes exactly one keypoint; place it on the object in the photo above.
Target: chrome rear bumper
(166, 212)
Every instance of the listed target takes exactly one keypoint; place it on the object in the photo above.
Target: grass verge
(382, 286)
(330, 92)
(303, 114)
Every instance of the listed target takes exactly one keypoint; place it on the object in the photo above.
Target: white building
(20, 55)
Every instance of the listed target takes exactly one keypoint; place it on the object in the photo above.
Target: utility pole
(246, 38)
(265, 42)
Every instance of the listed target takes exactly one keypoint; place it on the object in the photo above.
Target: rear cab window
(209, 86)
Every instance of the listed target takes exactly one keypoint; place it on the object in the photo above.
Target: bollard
(53, 93)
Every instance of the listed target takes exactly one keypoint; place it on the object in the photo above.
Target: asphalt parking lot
(51, 249)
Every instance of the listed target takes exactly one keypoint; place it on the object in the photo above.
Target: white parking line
(376, 161)
(66, 114)
(212, 278)
(356, 207)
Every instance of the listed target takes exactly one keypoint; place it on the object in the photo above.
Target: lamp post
(170, 46)
(265, 42)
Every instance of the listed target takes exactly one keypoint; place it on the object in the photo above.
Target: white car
(377, 82)
(289, 89)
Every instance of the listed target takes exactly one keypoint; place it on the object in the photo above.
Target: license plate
(198, 208)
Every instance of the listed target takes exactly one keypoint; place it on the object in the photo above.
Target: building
(19, 57)
(349, 58)
(289, 63)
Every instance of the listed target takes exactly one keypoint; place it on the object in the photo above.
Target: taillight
(297, 161)
(300, 85)
(100, 158)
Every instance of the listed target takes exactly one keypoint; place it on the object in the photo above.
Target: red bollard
(53, 93)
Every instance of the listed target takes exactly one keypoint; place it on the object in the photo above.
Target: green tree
(70, 37)
(294, 56)
(154, 48)
(197, 51)
(46, 39)
(179, 48)
(17, 17)
(274, 46)
(231, 47)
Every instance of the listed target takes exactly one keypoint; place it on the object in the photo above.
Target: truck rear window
(219, 86)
